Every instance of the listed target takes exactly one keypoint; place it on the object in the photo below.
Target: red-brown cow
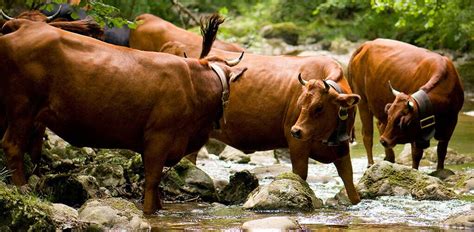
(266, 104)
(431, 96)
(153, 32)
(86, 27)
(95, 94)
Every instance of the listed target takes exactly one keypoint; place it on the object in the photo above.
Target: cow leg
(441, 152)
(389, 155)
(36, 145)
(156, 152)
(14, 143)
(299, 159)
(344, 169)
(367, 120)
(416, 155)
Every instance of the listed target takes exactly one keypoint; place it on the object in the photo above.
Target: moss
(23, 212)
(292, 176)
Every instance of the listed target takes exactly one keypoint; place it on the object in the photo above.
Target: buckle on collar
(427, 122)
(343, 115)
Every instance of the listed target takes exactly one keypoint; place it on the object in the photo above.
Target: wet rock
(113, 214)
(461, 183)
(263, 158)
(286, 31)
(430, 157)
(442, 174)
(240, 185)
(108, 175)
(72, 190)
(215, 147)
(234, 155)
(185, 181)
(388, 179)
(269, 172)
(203, 153)
(287, 192)
(24, 212)
(272, 224)
(68, 218)
(463, 221)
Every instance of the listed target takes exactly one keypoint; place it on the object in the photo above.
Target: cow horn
(55, 14)
(235, 61)
(5, 15)
(394, 91)
(302, 81)
(326, 86)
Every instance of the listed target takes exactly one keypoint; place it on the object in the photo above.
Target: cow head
(33, 15)
(319, 105)
(402, 114)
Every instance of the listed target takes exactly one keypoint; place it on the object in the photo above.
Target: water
(394, 213)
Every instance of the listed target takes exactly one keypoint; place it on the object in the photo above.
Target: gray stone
(215, 147)
(240, 185)
(442, 174)
(66, 217)
(263, 158)
(114, 214)
(272, 224)
(388, 179)
(234, 155)
(270, 171)
(286, 31)
(185, 181)
(287, 192)
(464, 221)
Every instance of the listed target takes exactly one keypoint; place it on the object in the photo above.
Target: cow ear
(237, 73)
(347, 100)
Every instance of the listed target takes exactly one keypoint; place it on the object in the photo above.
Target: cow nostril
(384, 143)
(296, 133)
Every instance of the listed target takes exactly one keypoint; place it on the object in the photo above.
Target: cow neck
(427, 119)
(225, 91)
(340, 134)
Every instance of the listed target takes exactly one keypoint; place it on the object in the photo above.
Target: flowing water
(381, 214)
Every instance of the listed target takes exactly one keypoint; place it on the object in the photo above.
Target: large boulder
(240, 185)
(272, 224)
(388, 179)
(263, 158)
(113, 214)
(185, 181)
(287, 192)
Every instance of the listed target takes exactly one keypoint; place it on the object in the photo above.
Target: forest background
(433, 24)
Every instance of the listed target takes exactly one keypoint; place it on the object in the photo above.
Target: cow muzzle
(296, 132)
(386, 143)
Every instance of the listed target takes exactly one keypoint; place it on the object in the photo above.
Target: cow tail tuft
(209, 27)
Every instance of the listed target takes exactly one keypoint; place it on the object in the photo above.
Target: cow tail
(209, 32)
(349, 71)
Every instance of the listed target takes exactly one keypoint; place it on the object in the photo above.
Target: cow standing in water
(95, 94)
(276, 93)
(415, 94)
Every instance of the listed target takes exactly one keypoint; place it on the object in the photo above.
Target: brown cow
(95, 94)
(153, 32)
(431, 96)
(266, 104)
(86, 27)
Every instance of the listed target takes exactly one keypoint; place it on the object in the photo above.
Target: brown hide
(95, 94)
(263, 108)
(87, 27)
(409, 69)
(153, 32)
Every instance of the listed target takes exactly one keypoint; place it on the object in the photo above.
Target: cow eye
(318, 109)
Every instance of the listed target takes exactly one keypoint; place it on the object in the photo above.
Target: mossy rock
(287, 31)
(241, 184)
(23, 212)
(287, 192)
(185, 181)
